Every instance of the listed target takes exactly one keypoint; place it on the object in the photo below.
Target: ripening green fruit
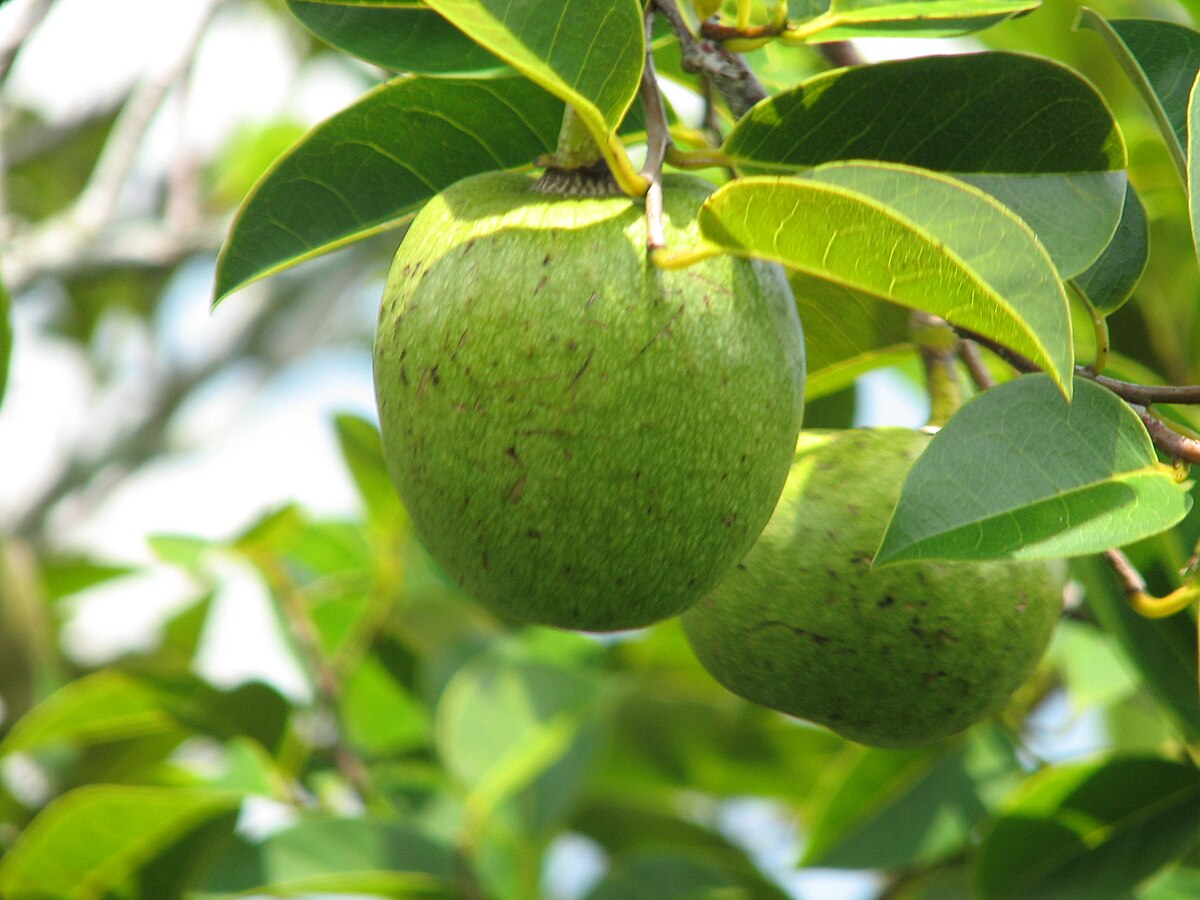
(582, 439)
(896, 656)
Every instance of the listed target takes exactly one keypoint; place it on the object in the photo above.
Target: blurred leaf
(248, 153)
(363, 452)
(373, 165)
(1089, 830)
(253, 709)
(337, 856)
(5, 339)
(1094, 671)
(588, 53)
(675, 876)
(845, 19)
(404, 37)
(1179, 883)
(88, 842)
(527, 731)
(171, 874)
(1111, 279)
(846, 333)
(66, 575)
(1164, 650)
(1161, 59)
(900, 809)
(179, 550)
(105, 706)
(906, 236)
(1086, 479)
(379, 715)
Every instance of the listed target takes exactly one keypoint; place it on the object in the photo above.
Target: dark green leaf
(845, 19)
(893, 808)
(846, 333)
(906, 236)
(1110, 280)
(89, 841)
(670, 877)
(404, 37)
(982, 113)
(1164, 650)
(371, 166)
(1161, 59)
(1062, 479)
(1090, 830)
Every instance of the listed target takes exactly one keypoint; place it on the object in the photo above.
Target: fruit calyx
(591, 180)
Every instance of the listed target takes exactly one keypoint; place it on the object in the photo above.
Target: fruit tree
(775, 480)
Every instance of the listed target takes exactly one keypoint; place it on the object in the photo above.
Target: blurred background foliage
(227, 667)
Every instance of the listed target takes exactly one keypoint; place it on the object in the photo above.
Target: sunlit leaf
(906, 236)
(1110, 280)
(63, 576)
(88, 842)
(1161, 59)
(1062, 479)
(1089, 830)
(845, 19)
(362, 451)
(371, 167)
(404, 37)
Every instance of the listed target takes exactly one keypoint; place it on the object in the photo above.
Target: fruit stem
(1140, 599)
(938, 345)
(576, 148)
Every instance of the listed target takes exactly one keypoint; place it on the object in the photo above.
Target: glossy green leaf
(588, 53)
(372, 166)
(1090, 830)
(104, 706)
(1019, 472)
(846, 333)
(5, 339)
(404, 37)
(890, 808)
(1161, 59)
(88, 842)
(1163, 650)
(1074, 216)
(1111, 279)
(512, 728)
(906, 236)
(846, 19)
(982, 113)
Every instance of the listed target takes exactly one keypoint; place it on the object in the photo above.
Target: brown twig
(658, 139)
(728, 73)
(968, 352)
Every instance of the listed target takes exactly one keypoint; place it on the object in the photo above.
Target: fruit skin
(894, 657)
(582, 439)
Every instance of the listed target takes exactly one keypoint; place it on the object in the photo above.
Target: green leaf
(88, 842)
(506, 728)
(588, 53)
(373, 165)
(5, 339)
(670, 876)
(1094, 671)
(906, 236)
(1090, 830)
(404, 37)
(845, 19)
(105, 706)
(890, 808)
(1019, 472)
(981, 113)
(362, 451)
(1163, 650)
(846, 333)
(1110, 280)
(337, 855)
(63, 576)
(378, 714)
(1162, 60)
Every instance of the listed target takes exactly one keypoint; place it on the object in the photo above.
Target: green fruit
(582, 439)
(895, 656)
